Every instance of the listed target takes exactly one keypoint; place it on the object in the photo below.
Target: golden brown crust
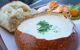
(29, 42)
(14, 22)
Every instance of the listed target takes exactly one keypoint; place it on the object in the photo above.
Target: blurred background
(32, 2)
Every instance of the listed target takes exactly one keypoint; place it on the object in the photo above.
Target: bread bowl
(59, 33)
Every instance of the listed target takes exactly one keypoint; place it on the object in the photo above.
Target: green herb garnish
(44, 26)
(75, 18)
(77, 6)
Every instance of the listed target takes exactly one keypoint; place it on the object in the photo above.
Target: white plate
(8, 39)
(77, 23)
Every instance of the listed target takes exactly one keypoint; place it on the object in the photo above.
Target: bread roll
(12, 14)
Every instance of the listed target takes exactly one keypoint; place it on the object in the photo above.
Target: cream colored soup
(61, 27)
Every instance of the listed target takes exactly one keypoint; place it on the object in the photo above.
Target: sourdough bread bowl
(46, 31)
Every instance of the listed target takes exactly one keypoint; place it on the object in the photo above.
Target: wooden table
(2, 45)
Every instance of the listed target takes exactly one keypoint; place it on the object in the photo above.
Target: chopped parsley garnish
(44, 26)
(75, 18)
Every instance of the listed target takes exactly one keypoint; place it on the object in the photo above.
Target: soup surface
(47, 27)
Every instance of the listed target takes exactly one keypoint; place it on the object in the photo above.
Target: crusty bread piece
(12, 14)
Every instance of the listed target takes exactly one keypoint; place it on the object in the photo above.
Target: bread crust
(28, 42)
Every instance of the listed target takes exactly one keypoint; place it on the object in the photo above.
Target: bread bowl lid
(48, 26)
